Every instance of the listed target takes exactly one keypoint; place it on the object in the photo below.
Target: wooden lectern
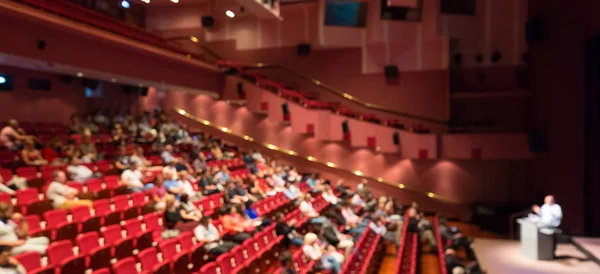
(537, 243)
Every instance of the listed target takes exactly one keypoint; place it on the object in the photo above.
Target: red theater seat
(149, 260)
(61, 254)
(89, 245)
(124, 246)
(144, 239)
(57, 219)
(83, 216)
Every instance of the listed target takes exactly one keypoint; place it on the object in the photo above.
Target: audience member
(208, 234)
(199, 163)
(158, 192)
(292, 192)
(325, 258)
(133, 178)
(287, 230)
(12, 137)
(8, 264)
(287, 264)
(455, 265)
(78, 172)
(174, 218)
(236, 225)
(122, 161)
(88, 150)
(415, 225)
(138, 157)
(309, 211)
(208, 185)
(188, 210)
(14, 230)
(63, 196)
(457, 239)
(223, 175)
(32, 156)
(328, 195)
(89, 124)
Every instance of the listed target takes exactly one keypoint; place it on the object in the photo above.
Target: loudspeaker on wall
(303, 49)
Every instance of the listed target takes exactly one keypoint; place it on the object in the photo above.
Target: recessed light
(175, 1)
(230, 14)
(113, 80)
(79, 74)
(125, 4)
(194, 39)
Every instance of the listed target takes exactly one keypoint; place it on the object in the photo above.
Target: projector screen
(346, 14)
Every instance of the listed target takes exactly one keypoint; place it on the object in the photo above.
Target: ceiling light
(330, 164)
(79, 74)
(113, 80)
(125, 4)
(358, 172)
(230, 14)
(310, 158)
(146, 1)
(380, 180)
(430, 194)
(194, 39)
(175, 1)
(181, 111)
(224, 129)
(401, 185)
(293, 153)
(2, 80)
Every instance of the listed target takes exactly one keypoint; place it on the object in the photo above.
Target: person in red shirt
(236, 225)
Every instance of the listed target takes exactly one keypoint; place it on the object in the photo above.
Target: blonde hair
(169, 201)
(310, 238)
(4, 209)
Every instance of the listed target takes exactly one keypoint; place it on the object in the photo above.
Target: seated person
(455, 265)
(240, 191)
(168, 158)
(187, 182)
(172, 184)
(15, 235)
(89, 154)
(416, 225)
(327, 259)
(352, 220)
(331, 234)
(12, 137)
(208, 234)
(328, 195)
(122, 160)
(174, 219)
(216, 152)
(158, 193)
(236, 225)
(288, 231)
(230, 194)
(63, 196)
(8, 264)
(118, 136)
(251, 217)
(291, 191)
(208, 185)
(133, 178)
(293, 176)
(199, 163)
(287, 263)
(13, 184)
(88, 124)
(138, 157)
(32, 156)
(223, 175)
(78, 172)
(309, 211)
(457, 239)
(75, 126)
(254, 188)
(190, 211)
(358, 200)
(52, 152)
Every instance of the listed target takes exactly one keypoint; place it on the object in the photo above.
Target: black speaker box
(390, 71)
(303, 49)
(41, 44)
(240, 88)
(230, 71)
(396, 138)
(534, 30)
(285, 109)
(144, 91)
(208, 21)
(538, 142)
(345, 127)
(90, 83)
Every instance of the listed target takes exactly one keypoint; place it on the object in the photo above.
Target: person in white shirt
(186, 181)
(329, 196)
(138, 157)
(309, 211)
(326, 257)
(550, 213)
(357, 200)
(132, 178)
(77, 171)
(63, 196)
(8, 264)
(14, 235)
(208, 234)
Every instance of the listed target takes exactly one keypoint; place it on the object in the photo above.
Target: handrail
(312, 159)
(337, 92)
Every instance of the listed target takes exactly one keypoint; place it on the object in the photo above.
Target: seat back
(55, 217)
(58, 251)
(111, 182)
(27, 172)
(210, 268)
(111, 234)
(93, 185)
(79, 213)
(226, 262)
(139, 198)
(87, 242)
(133, 227)
(76, 185)
(102, 206)
(151, 221)
(26, 196)
(186, 240)
(168, 248)
(47, 171)
(125, 266)
(29, 260)
(148, 258)
(6, 174)
(102, 271)
(121, 202)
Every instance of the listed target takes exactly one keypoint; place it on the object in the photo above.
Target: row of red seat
(406, 263)
(440, 246)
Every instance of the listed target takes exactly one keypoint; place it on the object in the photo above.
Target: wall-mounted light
(125, 4)
(79, 74)
(194, 39)
(175, 1)
(330, 164)
(230, 14)
(358, 172)
(430, 194)
(2, 80)
(113, 80)
(310, 158)
(401, 185)
(146, 1)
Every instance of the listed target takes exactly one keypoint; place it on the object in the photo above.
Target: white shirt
(7, 231)
(312, 251)
(172, 170)
(188, 188)
(210, 235)
(132, 178)
(56, 192)
(551, 214)
(381, 230)
(330, 198)
(307, 208)
(357, 201)
(79, 172)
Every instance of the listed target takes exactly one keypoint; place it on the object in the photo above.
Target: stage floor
(504, 256)
(592, 245)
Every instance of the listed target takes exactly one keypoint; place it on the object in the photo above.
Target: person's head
(59, 176)
(184, 198)
(135, 166)
(28, 145)
(13, 123)
(139, 150)
(74, 161)
(233, 209)
(240, 208)
(412, 213)
(310, 238)
(5, 254)
(6, 211)
(288, 184)
(169, 148)
(458, 270)
(549, 200)
(307, 197)
(224, 168)
(204, 221)
(280, 217)
(450, 252)
(170, 201)
(122, 150)
(414, 205)
(184, 175)
(286, 259)
(239, 183)
(159, 180)
(169, 175)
